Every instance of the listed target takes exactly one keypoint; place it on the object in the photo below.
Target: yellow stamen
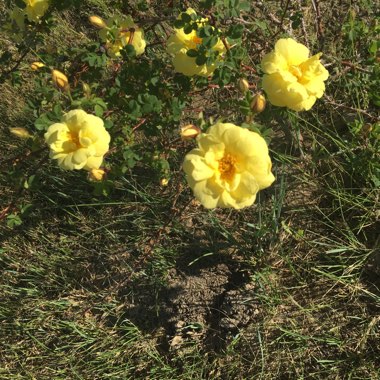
(197, 40)
(74, 138)
(296, 71)
(227, 167)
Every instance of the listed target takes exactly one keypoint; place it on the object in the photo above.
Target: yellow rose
(128, 33)
(35, 9)
(293, 79)
(229, 167)
(179, 44)
(79, 141)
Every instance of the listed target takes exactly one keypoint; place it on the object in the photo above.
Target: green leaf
(209, 42)
(178, 24)
(98, 110)
(235, 31)
(188, 28)
(200, 60)
(43, 122)
(186, 18)
(192, 53)
(205, 31)
(13, 220)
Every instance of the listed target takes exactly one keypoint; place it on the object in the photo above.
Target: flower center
(296, 71)
(227, 167)
(197, 40)
(74, 138)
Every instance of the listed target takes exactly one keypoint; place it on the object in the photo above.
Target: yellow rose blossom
(180, 43)
(292, 79)
(79, 141)
(229, 167)
(128, 33)
(35, 9)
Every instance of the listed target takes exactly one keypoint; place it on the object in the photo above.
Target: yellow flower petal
(196, 166)
(93, 162)
(293, 52)
(273, 62)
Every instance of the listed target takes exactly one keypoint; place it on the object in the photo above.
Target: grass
(146, 284)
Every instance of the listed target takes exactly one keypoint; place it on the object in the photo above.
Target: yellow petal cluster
(229, 167)
(128, 33)
(79, 141)
(178, 45)
(292, 79)
(35, 9)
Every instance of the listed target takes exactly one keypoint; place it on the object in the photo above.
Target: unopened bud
(36, 65)
(22, 133)
(60, 80)
(258, 103)
(243, 85)
(97, 21)
(96, 174)
(86, 89)
(164, 182)
(189, 132)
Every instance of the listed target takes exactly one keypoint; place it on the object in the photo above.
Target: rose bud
(189, 132)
